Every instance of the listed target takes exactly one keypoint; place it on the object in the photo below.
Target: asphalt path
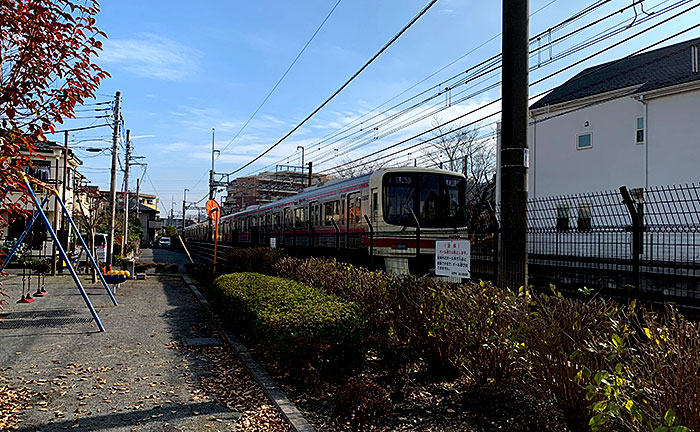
(138, 375)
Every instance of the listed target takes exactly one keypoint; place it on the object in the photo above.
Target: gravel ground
(58, 372)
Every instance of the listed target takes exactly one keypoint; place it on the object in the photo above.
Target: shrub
(301, 324)
(255, 260)
(362, 403)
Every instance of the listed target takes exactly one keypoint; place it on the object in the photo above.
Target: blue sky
(184, 69)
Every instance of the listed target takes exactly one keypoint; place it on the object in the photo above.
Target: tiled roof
(657, 69)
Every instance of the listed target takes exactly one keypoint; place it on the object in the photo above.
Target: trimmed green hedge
(299, 323)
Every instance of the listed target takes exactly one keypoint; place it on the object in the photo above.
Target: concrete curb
(290, 412)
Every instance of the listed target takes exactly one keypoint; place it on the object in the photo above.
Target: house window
(563, 216)
(585, 214)
(584, 141)
(640, 130)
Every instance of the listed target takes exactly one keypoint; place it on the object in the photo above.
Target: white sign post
(273, 242)
(453, 258)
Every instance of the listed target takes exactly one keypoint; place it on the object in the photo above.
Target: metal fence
(642, 243)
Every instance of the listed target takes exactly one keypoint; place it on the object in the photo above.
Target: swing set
(41, 288)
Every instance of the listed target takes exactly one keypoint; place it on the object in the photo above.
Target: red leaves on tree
(47, 49)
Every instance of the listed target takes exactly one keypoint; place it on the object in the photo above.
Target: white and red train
(378, 212)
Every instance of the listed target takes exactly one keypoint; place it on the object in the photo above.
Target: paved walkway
(136, 376)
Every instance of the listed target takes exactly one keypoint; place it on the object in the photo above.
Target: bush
(299, 323)
(362, 403)
(255, 260)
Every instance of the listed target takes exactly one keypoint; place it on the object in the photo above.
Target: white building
(633, 122)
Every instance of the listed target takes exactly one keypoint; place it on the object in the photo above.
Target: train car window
(288, 217)
(313, 213)
(354, 208)
(300, 217)
(253, 221)
(342, 212)
(437, 200)
(276, 221)
(331, 212)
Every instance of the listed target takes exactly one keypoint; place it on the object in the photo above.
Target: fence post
(496, 228)
(637, 233)
(371, 243)
(337, 238)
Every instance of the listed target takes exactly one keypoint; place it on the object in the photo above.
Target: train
(394, 215)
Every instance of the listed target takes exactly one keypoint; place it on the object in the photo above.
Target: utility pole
(310, 173)
(125, 237)
(138, 206)
(211, 182)
(55, 223)
(184, 207)
(514, 145)
(302, 159)
(64, 229)
(113, 181)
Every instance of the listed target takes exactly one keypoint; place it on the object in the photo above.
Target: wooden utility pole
(514, 145)
(125, 237)
(113, 181)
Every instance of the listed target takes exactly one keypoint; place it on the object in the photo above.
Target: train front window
(438, 200)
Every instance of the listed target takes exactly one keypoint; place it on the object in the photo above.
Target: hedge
(302, 325)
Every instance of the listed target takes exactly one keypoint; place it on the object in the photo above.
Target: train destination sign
(453, 258)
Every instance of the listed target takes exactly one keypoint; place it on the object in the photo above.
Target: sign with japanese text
(453, 258)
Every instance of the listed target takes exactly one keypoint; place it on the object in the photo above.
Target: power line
(531, 84)
(493, 61)
(355, 75)
(282, 77)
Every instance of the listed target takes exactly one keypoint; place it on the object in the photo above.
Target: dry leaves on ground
(13, 400)
(232, 386)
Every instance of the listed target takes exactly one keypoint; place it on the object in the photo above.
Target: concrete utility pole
(311, 174)
(514, 145)
(125, 239)
(138, 205)
(184, 207)
(113, 181)
(55, 223)
(65, 230)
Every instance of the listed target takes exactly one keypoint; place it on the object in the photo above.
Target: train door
(374, 205)
(354, 220)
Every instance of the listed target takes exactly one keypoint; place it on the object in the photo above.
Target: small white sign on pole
(453, 258)
(273, 242)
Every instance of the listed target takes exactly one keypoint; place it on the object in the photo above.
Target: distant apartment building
(266, 187)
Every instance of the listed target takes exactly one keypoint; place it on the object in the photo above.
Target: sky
(184, 68)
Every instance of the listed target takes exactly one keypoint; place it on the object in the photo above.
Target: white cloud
(152, 56)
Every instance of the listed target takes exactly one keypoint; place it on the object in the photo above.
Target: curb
(289, 411)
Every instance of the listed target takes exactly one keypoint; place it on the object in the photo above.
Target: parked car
(164, 242)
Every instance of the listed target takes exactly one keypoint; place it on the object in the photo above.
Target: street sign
(453, 258)
(273, 242)
(213, 210)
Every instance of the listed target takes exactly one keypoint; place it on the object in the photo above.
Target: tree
(348, 170)
(46, 69)
(451, 147)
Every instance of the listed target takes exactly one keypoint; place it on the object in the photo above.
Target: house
(47, 165)
(632, 121)
(148, 212)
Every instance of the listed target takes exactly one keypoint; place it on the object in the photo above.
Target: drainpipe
(646, 140)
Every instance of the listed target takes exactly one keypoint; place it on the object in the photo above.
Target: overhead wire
(531, 84)
(496, 58)
(342, 87)
(279, 81)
